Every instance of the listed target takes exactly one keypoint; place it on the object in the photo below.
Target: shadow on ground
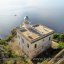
(48, 54)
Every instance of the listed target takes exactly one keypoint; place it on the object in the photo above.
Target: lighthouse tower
(26, 23)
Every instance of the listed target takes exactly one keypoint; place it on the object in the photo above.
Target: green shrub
(59, 37)
(9, 38)
(3, 42)
(61, 44)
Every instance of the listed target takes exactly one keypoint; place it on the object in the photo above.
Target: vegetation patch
(60, 39)
(7, 55)
(61, 44)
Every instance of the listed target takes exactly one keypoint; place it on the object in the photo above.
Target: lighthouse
(26, 23)
(34, 39)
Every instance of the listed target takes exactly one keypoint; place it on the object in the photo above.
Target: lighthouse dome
(26, 20)
(26, 23)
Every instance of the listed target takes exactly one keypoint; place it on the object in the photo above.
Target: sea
(12, 18)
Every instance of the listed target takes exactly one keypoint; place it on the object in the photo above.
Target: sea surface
(11, 18)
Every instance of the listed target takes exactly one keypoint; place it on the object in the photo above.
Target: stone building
(34, 39)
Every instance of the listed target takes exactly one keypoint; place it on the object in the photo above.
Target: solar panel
(30, 37)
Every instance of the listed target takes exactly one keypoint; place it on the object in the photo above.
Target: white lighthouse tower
(26, 23)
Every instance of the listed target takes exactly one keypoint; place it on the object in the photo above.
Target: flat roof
(30, 34)
(43, 29)
(34, 34)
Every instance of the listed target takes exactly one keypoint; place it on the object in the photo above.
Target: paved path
(54, 45)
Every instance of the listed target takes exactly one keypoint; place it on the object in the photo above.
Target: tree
(62, 37)
(56, 37)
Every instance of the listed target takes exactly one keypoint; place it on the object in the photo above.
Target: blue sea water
(53, 18)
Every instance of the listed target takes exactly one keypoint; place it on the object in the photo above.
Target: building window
(49, 38)
(22, 40)
(28, 45)
(35, 46)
